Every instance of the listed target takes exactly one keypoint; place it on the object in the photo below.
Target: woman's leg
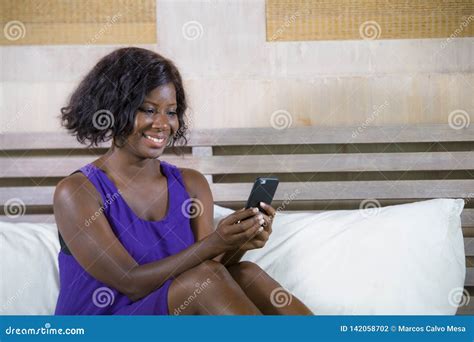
(265, 292)
(208, 289)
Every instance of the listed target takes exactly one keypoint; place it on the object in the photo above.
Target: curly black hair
(112, 92)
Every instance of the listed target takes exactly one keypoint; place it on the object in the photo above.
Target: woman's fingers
(253, 244)
(240, 215)
(248, 228)
(269, 209)
(263, 235)
(249, 233)
(255, 237)
(267, 223)
(244, 225)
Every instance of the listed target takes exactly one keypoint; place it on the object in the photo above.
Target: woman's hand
(237, 229)
(262, 236)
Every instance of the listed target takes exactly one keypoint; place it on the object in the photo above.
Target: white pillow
(398, 260)
(29, 268)
(336, 262)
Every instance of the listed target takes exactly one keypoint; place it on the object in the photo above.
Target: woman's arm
(202, 224)
(101, 254)
(198, 189)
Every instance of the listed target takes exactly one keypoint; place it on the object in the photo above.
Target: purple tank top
(146, 241)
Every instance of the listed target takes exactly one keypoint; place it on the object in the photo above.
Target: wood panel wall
(289, 20)
(44, 22)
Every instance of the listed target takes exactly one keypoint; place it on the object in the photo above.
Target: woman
(128, 244)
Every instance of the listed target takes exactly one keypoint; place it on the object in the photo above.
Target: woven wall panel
(43, 22)
(289, 20)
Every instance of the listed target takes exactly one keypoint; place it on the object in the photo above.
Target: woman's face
(155, 122)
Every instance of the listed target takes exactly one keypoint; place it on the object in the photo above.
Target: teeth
(160, 140)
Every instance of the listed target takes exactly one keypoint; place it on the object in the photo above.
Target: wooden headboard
(320, 168)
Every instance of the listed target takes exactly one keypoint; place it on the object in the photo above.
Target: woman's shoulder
(194, 181)
(75, 187)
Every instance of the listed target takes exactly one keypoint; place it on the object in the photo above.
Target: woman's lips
(157, 142)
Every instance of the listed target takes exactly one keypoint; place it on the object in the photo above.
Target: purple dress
(146, 241)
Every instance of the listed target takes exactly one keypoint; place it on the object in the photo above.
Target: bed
(333, 168)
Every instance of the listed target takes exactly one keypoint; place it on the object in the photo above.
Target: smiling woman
(143, 253)
(105, 104)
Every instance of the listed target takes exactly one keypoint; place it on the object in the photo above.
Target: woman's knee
(199, 286)
(208, 273)
(245, 272)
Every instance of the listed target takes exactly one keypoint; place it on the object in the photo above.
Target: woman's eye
(148, 110)
(152, 111)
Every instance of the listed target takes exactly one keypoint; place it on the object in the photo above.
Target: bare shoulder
(73, 188)
(195, 181)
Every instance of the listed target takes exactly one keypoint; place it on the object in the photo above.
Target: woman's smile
(155, 140)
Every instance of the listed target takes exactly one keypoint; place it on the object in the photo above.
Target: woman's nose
(160, 120)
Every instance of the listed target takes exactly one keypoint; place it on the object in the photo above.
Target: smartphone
(263, 190)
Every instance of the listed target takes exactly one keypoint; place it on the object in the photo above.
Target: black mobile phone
(263, 190)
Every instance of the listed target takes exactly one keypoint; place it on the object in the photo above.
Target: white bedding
(406, 259)
(398, 260)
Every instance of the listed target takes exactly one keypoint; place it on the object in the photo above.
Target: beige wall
(235, 78)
